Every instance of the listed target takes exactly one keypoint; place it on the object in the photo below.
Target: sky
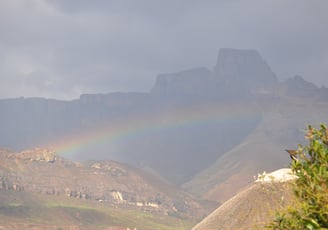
(64, 48)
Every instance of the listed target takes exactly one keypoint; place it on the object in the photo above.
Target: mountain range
(206, 131)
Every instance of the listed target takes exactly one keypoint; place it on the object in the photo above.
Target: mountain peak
(243, 70)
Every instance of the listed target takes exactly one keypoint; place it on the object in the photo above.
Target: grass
(41, 210)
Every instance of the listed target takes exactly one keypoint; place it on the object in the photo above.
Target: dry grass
(250, 209)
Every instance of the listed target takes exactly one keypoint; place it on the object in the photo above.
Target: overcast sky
(63, 48)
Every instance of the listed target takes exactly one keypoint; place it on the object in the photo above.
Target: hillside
(37, 184)
(263, 149)
(251, 208)
(28, 210)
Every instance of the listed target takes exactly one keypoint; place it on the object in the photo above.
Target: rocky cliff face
(42, 171)
(243, 71)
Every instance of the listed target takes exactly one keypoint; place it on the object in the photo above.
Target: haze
(61, 49)
(151, 114)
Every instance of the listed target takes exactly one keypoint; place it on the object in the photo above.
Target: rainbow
(130, 127)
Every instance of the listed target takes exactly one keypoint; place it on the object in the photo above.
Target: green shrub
(310, 207)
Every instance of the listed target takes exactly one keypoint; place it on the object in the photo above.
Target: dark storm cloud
(64, 48)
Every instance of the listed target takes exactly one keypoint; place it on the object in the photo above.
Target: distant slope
(263, 149)
(251, 208)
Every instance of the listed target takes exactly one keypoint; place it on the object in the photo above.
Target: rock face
(243, 71)
(38, 154)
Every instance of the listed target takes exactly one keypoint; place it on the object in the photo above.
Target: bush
(310, 208)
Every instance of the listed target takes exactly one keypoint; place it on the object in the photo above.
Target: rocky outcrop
(111, 168)
(11, 182)
(38, 154)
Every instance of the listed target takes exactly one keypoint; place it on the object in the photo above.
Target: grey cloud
(64, 48)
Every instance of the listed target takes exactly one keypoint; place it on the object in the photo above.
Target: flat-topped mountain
(243, 71)
(236, 73)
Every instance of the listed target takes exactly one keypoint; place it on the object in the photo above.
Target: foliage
(310, 208)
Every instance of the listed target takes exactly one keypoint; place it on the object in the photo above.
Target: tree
(310, 208)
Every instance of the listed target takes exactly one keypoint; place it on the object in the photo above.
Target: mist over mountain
(128, 114)
(188, 125)
(237, 73)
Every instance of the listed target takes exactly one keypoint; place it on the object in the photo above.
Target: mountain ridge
(187, 126)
